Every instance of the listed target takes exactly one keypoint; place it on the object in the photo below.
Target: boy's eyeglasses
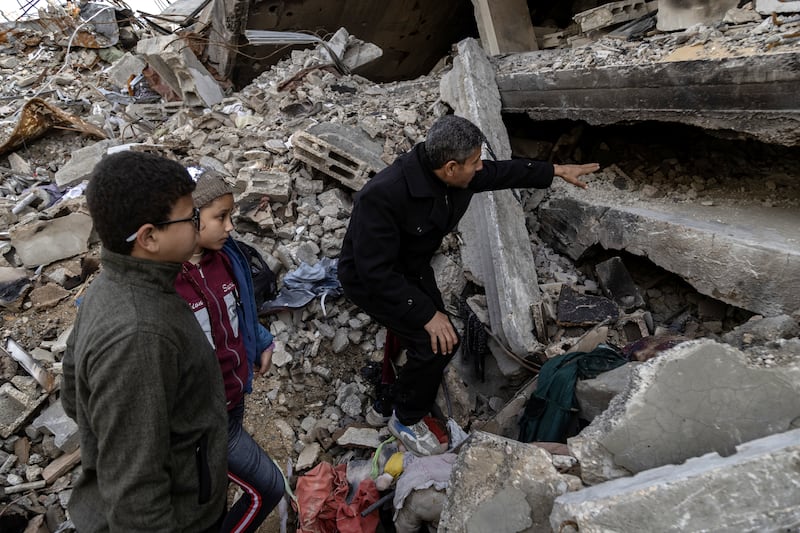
(194, 219)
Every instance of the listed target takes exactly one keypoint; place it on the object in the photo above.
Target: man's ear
(146, 241)
(450, 167)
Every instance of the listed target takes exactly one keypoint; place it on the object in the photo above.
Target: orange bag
(321, 497)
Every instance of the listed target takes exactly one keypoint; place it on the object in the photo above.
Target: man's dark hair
(128, 189)
(452, 138)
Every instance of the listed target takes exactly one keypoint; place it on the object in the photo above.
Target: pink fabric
(321, 495)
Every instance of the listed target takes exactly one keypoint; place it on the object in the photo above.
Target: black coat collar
(422, 182)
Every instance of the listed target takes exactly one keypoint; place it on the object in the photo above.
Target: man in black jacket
(398, 222)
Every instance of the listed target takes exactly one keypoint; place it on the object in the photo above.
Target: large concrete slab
(755, 94)
(694, 399)
(756, 489)
(496, 247)
(745, 256)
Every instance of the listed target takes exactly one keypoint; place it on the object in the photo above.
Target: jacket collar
(139, 271)
(422, 182)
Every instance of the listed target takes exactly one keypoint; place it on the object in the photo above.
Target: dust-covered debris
(313, 402)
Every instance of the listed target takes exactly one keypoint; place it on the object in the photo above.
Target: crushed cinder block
(613, 13)
(15, 408)
(617, 284)
(634, 326)
(575, 309)
(344, 153)
(54, 421)
(276, 186)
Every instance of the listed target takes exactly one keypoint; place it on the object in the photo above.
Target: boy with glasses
(140, 379)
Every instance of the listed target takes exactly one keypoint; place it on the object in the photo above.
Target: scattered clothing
(422, 472)
(302, 285)
(552, 408)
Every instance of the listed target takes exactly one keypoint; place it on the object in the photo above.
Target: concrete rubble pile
(710, 397)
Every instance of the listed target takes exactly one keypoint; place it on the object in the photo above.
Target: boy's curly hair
(128, 189)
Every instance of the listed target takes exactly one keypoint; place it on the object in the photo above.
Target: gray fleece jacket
(145, 389)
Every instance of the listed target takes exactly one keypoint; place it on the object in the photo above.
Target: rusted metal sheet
(38, 117)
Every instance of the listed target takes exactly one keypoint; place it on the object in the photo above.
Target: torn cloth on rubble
(552, 408)
(422, 472)
(322, 502)
(303, 284)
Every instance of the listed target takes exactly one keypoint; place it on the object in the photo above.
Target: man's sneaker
(374, 418)
(417, 438)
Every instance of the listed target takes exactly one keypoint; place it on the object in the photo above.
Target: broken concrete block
(613, 13)
(15, 408)
(125, 68)
(359, 438)
(500, 481)
(755, 489)
(276, 186)
(698, 397)
(47, 296)
(44, 242)
(506, 422)
(180, 69)
(14, 283)
(679, 15)
(308, 457)
(617, 284)
(594, 395)
(335, 203)
(352, 52)
(82, 162)
(767, 7)
(344, 153)
(762, 330)
(575, 309)
(54, 421)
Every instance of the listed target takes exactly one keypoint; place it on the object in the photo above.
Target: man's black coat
(398, 222)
